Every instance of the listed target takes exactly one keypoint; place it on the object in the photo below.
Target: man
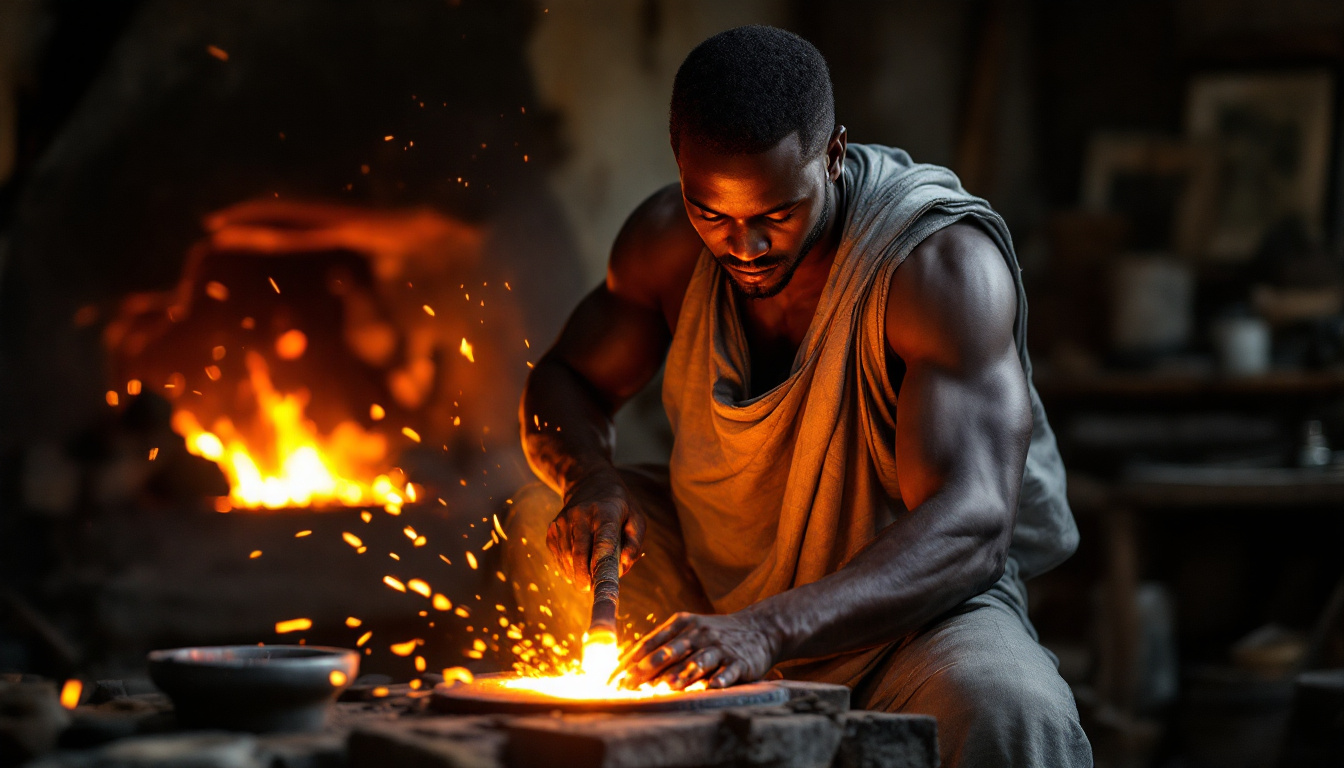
(861, 473)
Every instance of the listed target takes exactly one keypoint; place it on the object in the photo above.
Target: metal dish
(486, 696)
(257, 688)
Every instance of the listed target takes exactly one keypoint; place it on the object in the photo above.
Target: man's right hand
(597, 517)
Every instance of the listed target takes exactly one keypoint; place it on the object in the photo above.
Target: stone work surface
(815, 729)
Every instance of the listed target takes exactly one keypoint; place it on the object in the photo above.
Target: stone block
(825, 697)
(781, 738)
(886, 740)
(673, 740)
(302, 750)
(31, 720)
(196, 749)
(427, 742)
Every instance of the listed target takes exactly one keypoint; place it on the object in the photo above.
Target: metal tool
(606, 586)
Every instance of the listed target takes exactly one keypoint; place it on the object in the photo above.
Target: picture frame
(1160, 185)
(1272, 134)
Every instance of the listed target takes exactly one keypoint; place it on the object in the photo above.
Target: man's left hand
(722, 649)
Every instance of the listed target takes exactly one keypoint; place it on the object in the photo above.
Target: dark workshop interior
(273, 275)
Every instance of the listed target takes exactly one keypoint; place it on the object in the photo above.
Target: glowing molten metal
(592, 678)
(279, 459)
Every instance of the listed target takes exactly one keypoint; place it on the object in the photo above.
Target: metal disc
(486, 696)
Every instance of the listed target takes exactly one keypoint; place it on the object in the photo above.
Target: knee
(1012, 714)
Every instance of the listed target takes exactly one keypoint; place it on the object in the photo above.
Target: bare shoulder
(953, 302)
(655, 253)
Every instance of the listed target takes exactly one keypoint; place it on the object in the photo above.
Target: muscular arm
(610, 348)
(963, 424)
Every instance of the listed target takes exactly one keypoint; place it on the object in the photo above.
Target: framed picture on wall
(1161, 186)
(1271, 134)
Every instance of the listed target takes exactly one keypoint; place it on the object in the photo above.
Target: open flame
(280, 460)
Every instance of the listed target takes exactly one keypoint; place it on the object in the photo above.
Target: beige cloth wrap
(780, 489)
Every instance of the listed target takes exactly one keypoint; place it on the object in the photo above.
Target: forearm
(932, 559)
(567, 431)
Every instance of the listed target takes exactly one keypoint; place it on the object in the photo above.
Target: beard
(790, 264)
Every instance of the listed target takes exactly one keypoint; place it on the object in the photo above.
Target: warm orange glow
(364, 638)
(466, 351)
(442, 603)
(471, 561)
(337, 678)
(352, 540)
(419, 587)
(411, 433)
(376, 412)
(217, 52)
(394, 583)
(352, 622)
(404, 649)
(280, 460)
(591, 678)
(112, 397)
(291, 344)
(133, 387)
(70, 693)
(217, 291)
(293, 625)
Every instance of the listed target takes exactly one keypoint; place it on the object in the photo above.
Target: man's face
(758, 214)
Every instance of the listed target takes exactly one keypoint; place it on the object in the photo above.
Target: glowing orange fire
(279, 460)
(593, 677)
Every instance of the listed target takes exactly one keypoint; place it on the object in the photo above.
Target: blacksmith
(862, 474)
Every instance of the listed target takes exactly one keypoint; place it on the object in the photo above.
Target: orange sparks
(394, 583)
(153, 453)
(352, 540)
(217, 52)
(376, 412)
(445, 559)
(112, 397)
(458, 675)
(499, 528)
(420, 664)
(301, 534)
(380, 692)
(213, 373)
(366, 516)
(387, 138)
(255, 554)
(218, 353)
(364, 638)
(70, 693)
(410, 532)
(442, 603)
(462, 611)
(293, 625)
(273, 284)
(419, 587)
(337, 678)
(133, 387)
(420, 541)
(217, 290)
(428, 310)
(466, 350)
(404, 649)
(411, 433)
(416, 684)
(291, 344)
(471, 561)
(352, 622)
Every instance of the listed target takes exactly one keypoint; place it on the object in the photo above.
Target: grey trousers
(996, 693)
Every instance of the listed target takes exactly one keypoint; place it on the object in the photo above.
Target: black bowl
(257, 688)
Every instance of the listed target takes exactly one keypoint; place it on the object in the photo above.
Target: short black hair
(745, 89)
